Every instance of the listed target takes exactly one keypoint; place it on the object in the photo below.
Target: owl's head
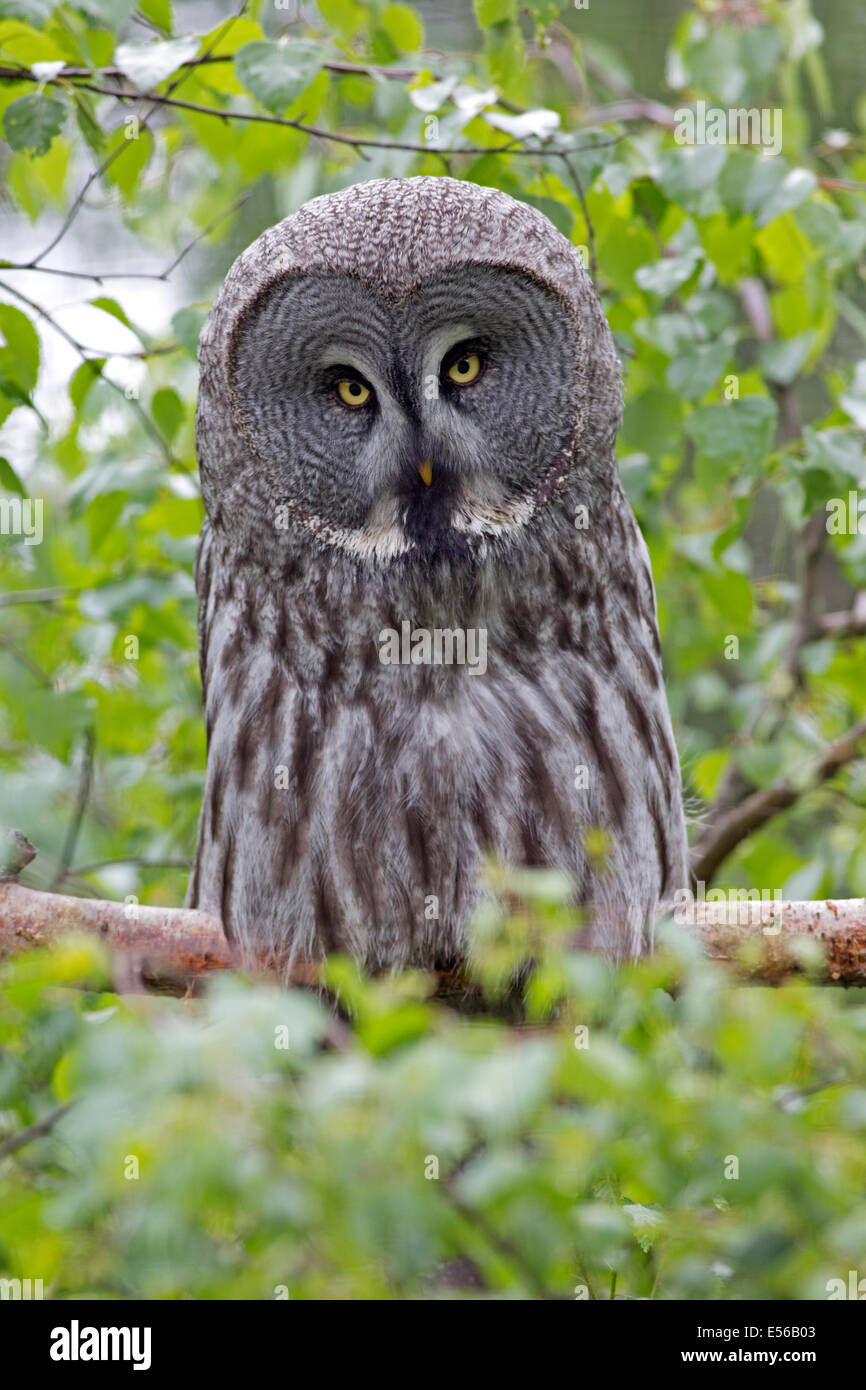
(409, 368)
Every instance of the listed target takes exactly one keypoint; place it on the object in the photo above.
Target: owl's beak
(426, 471)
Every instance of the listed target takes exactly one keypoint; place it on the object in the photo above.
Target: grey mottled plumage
(346, 801)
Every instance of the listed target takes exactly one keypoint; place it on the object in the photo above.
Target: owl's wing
(202, 577)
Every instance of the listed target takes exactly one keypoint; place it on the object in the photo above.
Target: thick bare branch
(181, 941)
(169, 947)
(775, 931)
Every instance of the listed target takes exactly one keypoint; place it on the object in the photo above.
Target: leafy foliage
(653, 1132)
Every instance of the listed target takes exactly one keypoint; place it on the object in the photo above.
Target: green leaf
(696, 372)
(12, 394)
(187, 325)
(403, 28)
(83, 378)
(125, 171)
(85, 117)
(781, 362)
(148, 64)
(734, 432)
(664, 276)
(837, 453)
(159, 11)
(489, 12)
(110, 14)
(277, 73)
(792, 190)
(19, 358)
(34, 12)
(117, 597)
(168, 412)
(9, 480)
(687, 171)
(32, 122)
(111, 306)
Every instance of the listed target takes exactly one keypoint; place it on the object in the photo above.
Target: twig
(34, 1131)
(590, 233)
(355, 141)
(632, 109)
(115, 153)
(85, 782)
(35, 596)
(206, 231)
(505, 1247)
(137, 860)
(845, 185)
(27, 661)
(83, 353)
(850, 622)
(735, 824)
(811, 545)
(135, 274)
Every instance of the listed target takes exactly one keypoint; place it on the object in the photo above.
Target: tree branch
(85, 782)
(34, 1131)
(735, 824)
(35, 596)
(97, 366)
(849, 622)
(810, 547)
(169, 947)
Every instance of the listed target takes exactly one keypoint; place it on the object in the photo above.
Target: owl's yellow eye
(353, 392)
(465, 369)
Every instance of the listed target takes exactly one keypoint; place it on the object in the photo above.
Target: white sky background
(99, 242)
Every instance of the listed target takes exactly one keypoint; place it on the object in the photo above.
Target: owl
(427, 620)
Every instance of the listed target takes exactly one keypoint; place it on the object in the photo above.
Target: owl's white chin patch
(381, 543)
(481, 511)
(478, 515)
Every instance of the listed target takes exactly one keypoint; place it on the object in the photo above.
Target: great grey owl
(427, 617)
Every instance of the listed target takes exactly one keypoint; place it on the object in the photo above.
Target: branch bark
(155, 947)
(730, 929)
(168, 947)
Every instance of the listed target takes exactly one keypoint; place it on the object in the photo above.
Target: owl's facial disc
(417, 423)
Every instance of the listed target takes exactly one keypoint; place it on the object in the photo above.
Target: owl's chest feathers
(346, 793)
(316, 708)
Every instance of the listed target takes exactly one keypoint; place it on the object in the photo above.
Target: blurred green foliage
(734, 283)
(653, 1132)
